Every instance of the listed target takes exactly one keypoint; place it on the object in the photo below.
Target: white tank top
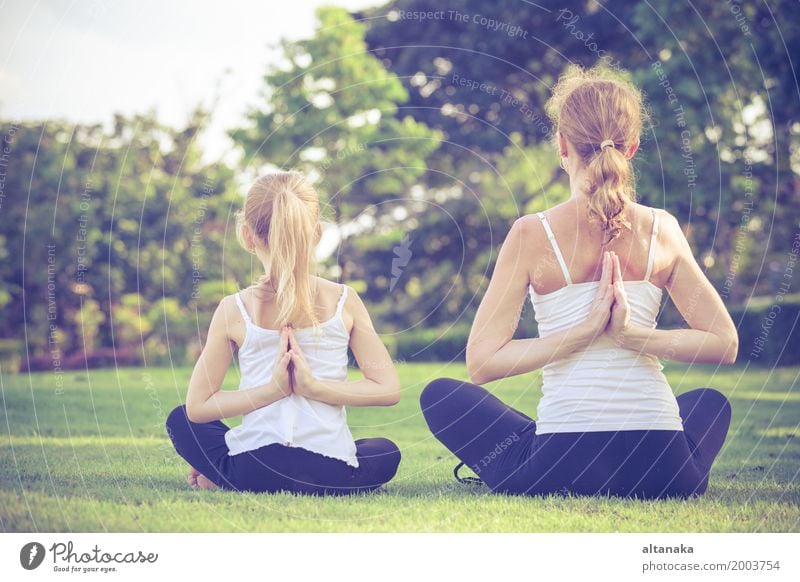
(602, 387)
(295, 421)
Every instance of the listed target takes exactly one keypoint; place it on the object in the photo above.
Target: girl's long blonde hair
(589, 106)
(282, 212)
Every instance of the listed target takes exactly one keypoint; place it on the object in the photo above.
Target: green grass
(89, 453)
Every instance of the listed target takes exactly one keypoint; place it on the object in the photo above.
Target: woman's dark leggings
(501, 445)
(277, 467)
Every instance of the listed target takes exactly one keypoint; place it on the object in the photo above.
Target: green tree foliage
(333, 111)
(721, 81)
(108, 237)
(426, 138)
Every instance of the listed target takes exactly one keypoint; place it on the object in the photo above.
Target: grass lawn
(90, 453)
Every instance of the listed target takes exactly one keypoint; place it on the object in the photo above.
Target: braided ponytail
(602, 117)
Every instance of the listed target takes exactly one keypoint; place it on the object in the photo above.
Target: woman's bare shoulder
(530, 228)
(664, 216)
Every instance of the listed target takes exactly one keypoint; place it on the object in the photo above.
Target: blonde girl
(292, 331)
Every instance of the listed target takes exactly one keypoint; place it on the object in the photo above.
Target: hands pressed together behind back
(610, 313)
(292, 373)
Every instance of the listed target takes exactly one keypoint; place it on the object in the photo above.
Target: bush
(106, 357)
(769, 334)
(103, 358)
(10, 355)
(444, 343)
(769, 330)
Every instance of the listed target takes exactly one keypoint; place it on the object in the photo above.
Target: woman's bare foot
(204, 482)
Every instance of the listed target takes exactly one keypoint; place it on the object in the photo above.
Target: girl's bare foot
(199, 481)
(204, 482)
(191, 478)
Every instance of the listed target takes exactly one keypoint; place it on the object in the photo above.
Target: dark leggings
(501, 445)
(277, 467)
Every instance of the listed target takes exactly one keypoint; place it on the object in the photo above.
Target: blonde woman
(292, 331)
(595, 268)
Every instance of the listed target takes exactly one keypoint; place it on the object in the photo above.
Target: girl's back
(295, 420)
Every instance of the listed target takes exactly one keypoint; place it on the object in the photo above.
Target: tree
(334, 112)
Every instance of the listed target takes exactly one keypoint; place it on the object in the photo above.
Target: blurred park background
(424, 131)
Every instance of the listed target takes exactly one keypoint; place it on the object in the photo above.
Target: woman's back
(602, 386)
(581, 244)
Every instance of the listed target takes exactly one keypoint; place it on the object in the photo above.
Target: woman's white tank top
(602, 387)
(295, 421)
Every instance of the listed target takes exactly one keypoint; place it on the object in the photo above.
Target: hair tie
(607, 142)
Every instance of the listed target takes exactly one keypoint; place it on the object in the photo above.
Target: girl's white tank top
(603, 387)
(295, 421)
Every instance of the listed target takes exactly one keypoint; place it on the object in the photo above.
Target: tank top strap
(342, 299)
(239, 302)
(555, 246)
(652, 253)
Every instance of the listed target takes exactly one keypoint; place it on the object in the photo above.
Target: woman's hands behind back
(620, 309)
(600, 314)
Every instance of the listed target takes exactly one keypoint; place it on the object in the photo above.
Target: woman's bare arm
(204, 400)
(491, 351)
(712, 338)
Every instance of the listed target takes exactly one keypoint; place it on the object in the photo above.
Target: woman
(292, 331)
(595, 267)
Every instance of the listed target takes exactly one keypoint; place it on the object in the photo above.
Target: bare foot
(191, 478)
(204, 482)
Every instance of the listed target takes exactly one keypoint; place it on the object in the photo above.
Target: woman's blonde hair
(282, 212)
(588, 107)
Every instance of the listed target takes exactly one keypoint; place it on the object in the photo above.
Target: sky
(84, 60)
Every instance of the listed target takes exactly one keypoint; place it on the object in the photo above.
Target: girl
(595, 268)
(292, 331)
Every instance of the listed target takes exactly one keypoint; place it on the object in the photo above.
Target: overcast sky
(83, 60)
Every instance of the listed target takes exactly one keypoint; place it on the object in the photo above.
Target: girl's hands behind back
(303, 381)
(281, 376)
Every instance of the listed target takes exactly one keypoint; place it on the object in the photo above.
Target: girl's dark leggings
(277, 467)
(500, 444)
